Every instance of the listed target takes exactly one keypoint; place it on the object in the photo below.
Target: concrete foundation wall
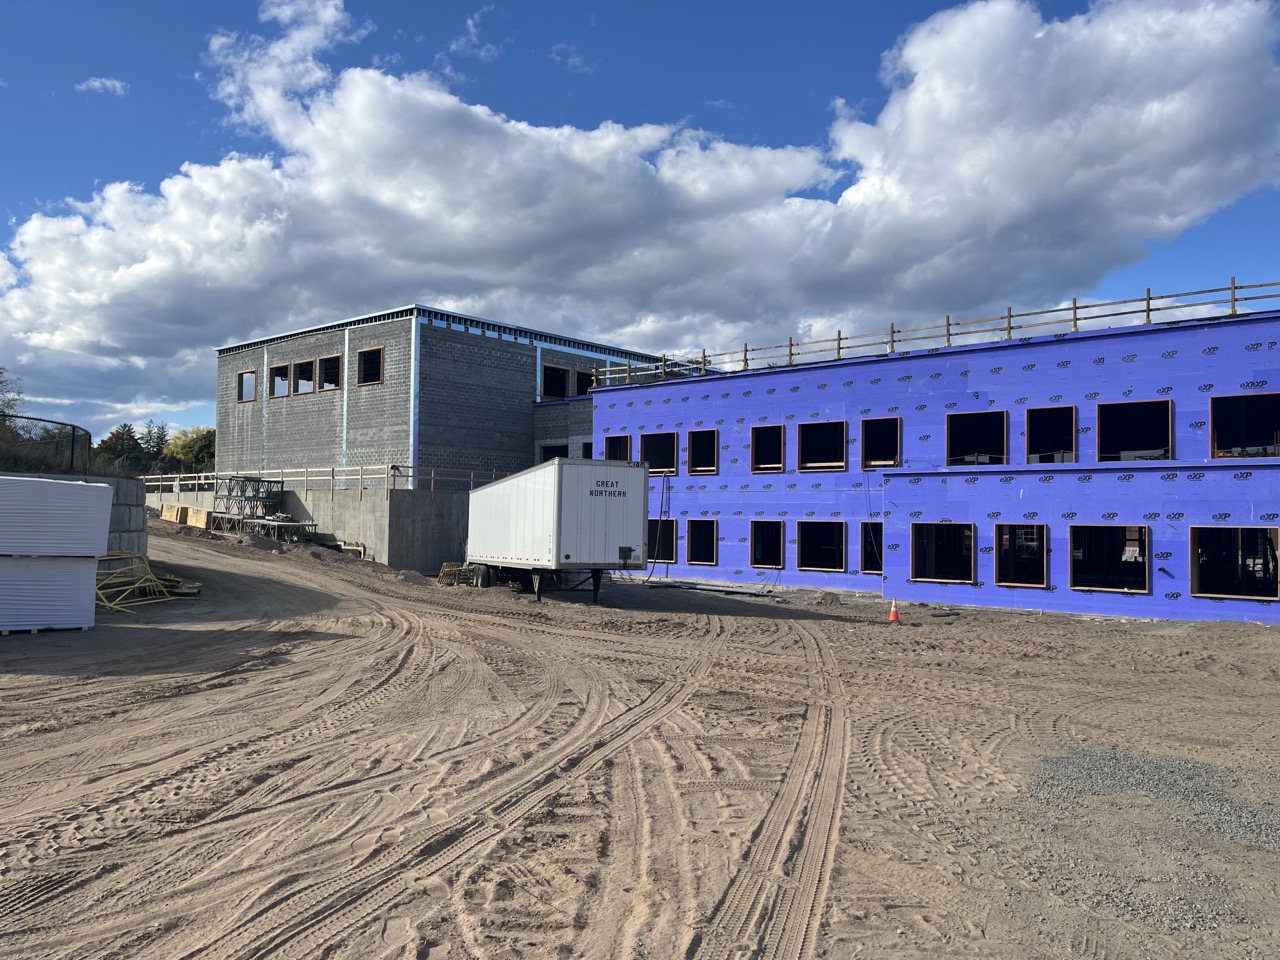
(413, 530)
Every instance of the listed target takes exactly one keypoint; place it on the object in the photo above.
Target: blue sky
(667, 176)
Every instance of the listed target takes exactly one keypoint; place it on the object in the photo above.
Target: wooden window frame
(240, 375)
(382, 366)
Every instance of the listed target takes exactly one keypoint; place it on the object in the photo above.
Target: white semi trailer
(560, 516)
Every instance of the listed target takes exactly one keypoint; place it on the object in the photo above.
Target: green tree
(153, 439)
(192, 448)
(121, 449)
(10, 395)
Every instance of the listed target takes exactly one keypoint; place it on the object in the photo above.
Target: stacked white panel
(53, 518)
(51, 535)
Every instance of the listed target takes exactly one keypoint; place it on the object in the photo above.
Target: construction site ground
(320, 757)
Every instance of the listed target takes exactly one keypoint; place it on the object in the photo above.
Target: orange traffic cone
(893, 611)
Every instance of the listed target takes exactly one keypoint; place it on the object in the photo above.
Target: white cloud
(568, 56)
(117, 88)
(1015, 161)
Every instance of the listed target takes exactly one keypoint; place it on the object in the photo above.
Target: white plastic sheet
(53, 518)
(38, 593)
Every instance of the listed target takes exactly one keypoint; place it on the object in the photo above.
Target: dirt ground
(318, 757)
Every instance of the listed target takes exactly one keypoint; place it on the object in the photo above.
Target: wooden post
(386, 481)
(891, 337)
(745, 362)
(1075, 317)
(704, 360)
(361, 482)
(628, 371)
(663, 374)
(333, 481)
(1233, 296)
(1147, 318)
(839, 334)
(790, 352)
(306, 477)
(948, 329)
(1008, 323)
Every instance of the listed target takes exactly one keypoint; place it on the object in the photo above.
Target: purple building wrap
(1132, 471)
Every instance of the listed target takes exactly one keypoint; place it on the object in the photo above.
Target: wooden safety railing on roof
(947, 333)
(326, 481)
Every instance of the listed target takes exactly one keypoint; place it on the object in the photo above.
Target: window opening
(872, 546)
(1021, 555)
(553, 450)
(247, 386)
(1247, 426)
(304, 376)
(586, 450)
(1051, 435)
(766, 543)
(821, 446)
(1109, 557)
(766, 449)
(704, 451)
(555, 383)
(617, 447)
(662, 540)
(820, 545)
(279, 381)
(659, 451)
(977, 437)
(881, 442)
(1238, 562)
(369, 367)
(942, 551)
(583, 383)
(1139, 430)
(700, 542)
(330, 373)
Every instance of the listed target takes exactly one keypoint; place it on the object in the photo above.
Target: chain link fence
(36, 445)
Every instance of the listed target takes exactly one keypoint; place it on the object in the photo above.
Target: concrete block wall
(476, 394)
(356, 425)
(563, 423)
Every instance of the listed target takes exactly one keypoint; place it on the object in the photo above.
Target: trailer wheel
(483, 576)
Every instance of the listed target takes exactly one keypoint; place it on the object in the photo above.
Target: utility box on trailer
(562, 515)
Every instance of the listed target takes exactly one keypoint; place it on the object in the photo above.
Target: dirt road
(316, 758)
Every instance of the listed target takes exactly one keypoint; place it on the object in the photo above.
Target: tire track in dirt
(766, 907)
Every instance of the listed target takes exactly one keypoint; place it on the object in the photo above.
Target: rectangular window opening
(767, 449)
(586, 450)
(659, 451)
(704, 451)
(872, 546)
(279, 381)
(700, 542)
(821, 446)
(369, 367)
(555, 383)
(977, 438)
(247, 386)
(820, 545)
(1137, 430)
(766, 543)
(1109, 557)
(1235, 562)
(330, 373)
(942, 551)
(1247, 426)
(881, 443)
(552, 450)
(617, 447)
(662, 541)
(1051, 435)
(304, 376)
(582, 380)
(1021, 555)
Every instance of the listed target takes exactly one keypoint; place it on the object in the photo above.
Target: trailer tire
(484, 576)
